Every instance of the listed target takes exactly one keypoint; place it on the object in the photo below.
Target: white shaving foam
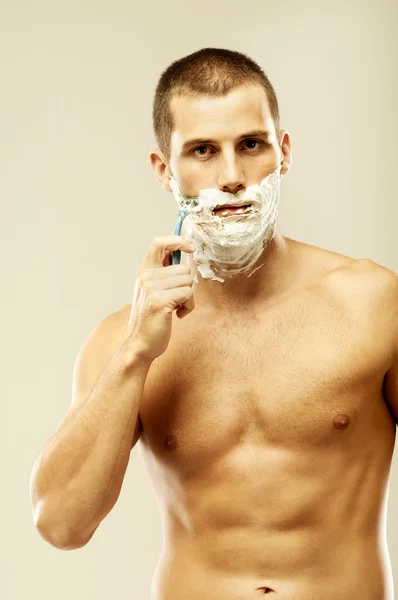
(230, 246)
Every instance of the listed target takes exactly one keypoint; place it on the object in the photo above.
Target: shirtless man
(265, 406)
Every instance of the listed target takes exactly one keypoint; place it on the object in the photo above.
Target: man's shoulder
(350, 277)
(368, 273)
(110, 330)
(365, 284)
(121, 316)
(382, 284)
(116, 323)
(342, 266)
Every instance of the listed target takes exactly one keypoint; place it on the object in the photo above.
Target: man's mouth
(228, 210)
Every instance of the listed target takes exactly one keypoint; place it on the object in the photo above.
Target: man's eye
(195, 150)
(252, 142)
(199, 148)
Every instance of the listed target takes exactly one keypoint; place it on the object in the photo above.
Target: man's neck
(272, 279)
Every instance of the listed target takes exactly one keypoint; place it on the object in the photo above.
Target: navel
(170, 442)
(341, 421)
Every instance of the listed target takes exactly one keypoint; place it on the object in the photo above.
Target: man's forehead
(209, 117)
(249, 98)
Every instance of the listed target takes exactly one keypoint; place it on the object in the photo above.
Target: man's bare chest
(303, 375)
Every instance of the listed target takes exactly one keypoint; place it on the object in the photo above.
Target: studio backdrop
(80, 206)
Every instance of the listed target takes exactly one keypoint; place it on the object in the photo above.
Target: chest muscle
(300, 377)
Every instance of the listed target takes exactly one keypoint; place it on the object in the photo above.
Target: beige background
(80, 206)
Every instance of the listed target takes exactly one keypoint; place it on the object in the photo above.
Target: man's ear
(160, 168)
(286, 148)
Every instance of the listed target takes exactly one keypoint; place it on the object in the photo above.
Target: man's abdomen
(352, 570)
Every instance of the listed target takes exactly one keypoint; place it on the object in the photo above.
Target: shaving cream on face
(230, 246)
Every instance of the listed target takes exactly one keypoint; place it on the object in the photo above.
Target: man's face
(224, 156)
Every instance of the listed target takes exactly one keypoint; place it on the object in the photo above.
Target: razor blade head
(188, 203)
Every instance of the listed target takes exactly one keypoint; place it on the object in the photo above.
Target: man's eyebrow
(257, 132)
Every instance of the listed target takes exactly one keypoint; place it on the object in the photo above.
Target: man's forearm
(77, 478)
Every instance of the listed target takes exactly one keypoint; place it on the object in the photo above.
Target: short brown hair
(210, 71)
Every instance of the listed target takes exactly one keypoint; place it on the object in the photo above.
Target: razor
(175, 257)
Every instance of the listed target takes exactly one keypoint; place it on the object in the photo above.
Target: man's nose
(231, 177)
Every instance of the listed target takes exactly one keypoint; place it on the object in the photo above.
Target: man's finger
(156, 254)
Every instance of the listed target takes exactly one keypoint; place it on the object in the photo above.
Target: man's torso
(269, 442)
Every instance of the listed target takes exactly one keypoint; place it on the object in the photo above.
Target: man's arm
(390, 386)
(77, 478)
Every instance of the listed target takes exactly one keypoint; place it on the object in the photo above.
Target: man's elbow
(60, 537)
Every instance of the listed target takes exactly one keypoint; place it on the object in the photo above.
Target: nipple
(170, 442)
(341, 421)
